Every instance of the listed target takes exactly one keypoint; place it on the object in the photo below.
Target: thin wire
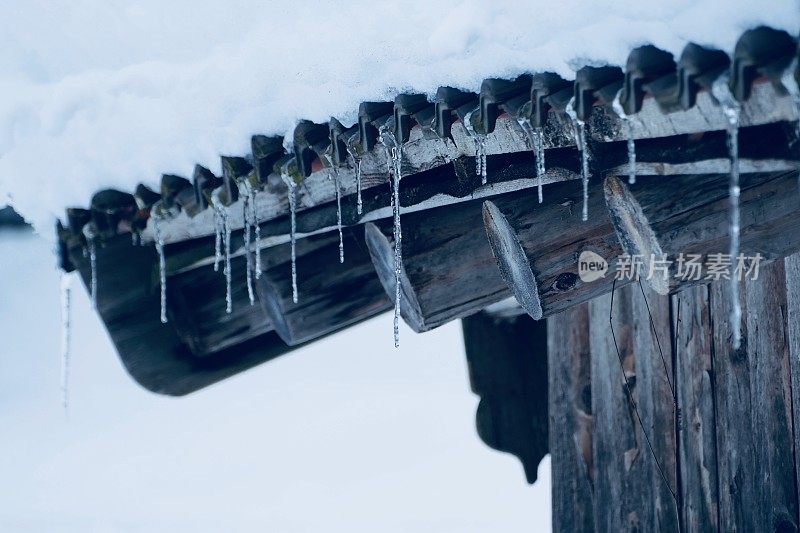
(660, 351)
(635, 408)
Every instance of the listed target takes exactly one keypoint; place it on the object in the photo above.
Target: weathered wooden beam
(507, 360)
(331, 295)
(448, 270)
(537, 246)
(570, 419)
(156, 355)
(697, 220)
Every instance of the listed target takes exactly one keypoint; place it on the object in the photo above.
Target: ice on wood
(535, 137)
(732, 109)
(480, 147)
(627, 124)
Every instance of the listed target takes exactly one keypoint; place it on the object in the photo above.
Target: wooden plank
(754, 408)
(507, 360)
(694, 380)
(768, 354)
(570, 415)
(792, 269)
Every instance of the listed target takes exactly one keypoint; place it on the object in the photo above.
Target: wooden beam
(155, 354)
(331, 295)
(507, 360)
(651, 224)
(537, 246)
(448, 270)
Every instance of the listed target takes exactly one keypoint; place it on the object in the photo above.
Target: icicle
(394, 156)
(536, 141)
(248, 248)
(339, 212)
(293, 214)
(91, 237)
(357, 162)
(217, 236)
(480, 147)
(627, 122)
(256, 227)
(732, 109)
(162, 267)
(66, 336)
(133, 238)
(228, 274)
(580, 141)
(790, 84)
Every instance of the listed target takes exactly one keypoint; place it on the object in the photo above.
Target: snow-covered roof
(108, 95)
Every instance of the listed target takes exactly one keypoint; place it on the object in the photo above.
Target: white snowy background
(348, 434)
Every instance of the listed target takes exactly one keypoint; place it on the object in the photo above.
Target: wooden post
(570, 417)
(507, 359)
(332, 295)
(448, 270)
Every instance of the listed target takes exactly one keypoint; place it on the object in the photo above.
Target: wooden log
(792, 269)
(754, 407)
(629, 492)
(697, 221)
(331, 295)
(448, 270)
(196, 307)
(507, 360)
(537, 246)
(570, 419)
(155, 354)
(694, 380)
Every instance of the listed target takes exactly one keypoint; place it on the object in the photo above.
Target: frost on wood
(732, 110)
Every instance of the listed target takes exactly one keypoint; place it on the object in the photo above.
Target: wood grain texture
(570, 416)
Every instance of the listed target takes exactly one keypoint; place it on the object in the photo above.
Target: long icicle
(66, 336)
(536, 140)
(357, 163)
(162, 267)
(248, 248)
(580, 141)
(227, 271)
(292, 193)
(217, 236)
(91, 241)
(627, 123)
(338, 186)
(257, 229)
(732, 110)
(394, 157)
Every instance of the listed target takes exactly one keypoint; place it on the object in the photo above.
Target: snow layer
(99, 93)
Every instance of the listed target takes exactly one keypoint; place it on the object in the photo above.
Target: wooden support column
(570, 417)
(331, 295)
(448, 270)
(755, 440)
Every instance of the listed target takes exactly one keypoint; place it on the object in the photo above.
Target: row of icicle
(535, 136)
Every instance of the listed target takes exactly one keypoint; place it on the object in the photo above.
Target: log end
(381, 250)
(633, 230)
(511, 259)
(269, 299)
